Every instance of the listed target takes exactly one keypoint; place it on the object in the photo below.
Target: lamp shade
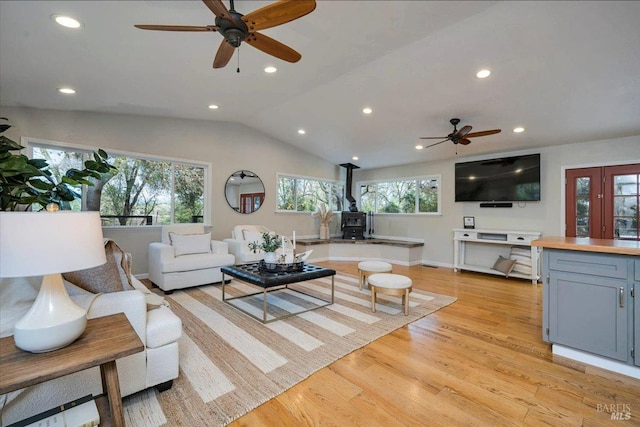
(41, 243)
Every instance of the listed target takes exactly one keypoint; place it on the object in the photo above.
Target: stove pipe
(350, 167)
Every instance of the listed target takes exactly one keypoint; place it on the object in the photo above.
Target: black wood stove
(354, 223)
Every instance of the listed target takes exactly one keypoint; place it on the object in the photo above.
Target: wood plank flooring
(478, 362)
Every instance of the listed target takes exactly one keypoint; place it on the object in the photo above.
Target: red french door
(602, 202)
(621, 202)
(250, 202)
(583, 207)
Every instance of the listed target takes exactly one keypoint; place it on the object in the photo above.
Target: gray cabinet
(636, 310)
(588, 302)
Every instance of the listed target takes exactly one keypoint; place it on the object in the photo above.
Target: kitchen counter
(584, 244)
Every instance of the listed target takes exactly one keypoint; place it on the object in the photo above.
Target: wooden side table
(105, 340)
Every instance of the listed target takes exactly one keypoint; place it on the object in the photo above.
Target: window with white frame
(143, 190)
(302, 194)
(420, 195)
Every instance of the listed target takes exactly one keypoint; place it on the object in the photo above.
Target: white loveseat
(156, 325)
(191, 259)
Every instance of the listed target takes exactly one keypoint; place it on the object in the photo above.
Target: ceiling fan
(460, 136)
(237, 28)
(243, 174)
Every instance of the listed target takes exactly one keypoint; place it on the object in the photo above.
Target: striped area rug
(231, 363)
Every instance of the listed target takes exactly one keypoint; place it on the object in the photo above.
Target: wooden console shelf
(463, 237)
(104, 340)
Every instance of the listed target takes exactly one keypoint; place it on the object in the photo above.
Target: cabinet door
(585, 313)
(636, 312)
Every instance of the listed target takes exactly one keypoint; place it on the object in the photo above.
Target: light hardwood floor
(480, 361)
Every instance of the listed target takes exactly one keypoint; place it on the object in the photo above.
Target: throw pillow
(252, 236)
(113, 276)
(518, 250)
(187, 244)
(504, 265)
(523, 259)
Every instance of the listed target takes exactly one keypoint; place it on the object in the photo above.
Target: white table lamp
(48, 244)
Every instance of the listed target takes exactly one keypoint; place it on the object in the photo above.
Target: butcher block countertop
(584, 244)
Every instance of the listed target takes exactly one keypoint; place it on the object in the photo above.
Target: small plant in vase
(270, 244)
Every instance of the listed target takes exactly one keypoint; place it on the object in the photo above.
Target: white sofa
(158, 328)
(186, 262)
(241, 236)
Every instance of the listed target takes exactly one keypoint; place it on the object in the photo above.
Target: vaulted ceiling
(565, 71)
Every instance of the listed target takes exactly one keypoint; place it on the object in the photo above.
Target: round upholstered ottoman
(365, 268)
(390, 284)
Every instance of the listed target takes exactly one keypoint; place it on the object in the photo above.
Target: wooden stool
(390, 284)
(365, 268)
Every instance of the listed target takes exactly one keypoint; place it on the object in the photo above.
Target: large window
(298, 194)
(419, 195)
(143, 191)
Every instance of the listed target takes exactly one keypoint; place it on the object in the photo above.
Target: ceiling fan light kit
(237, 28)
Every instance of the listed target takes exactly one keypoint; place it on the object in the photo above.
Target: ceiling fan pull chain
(238, 69)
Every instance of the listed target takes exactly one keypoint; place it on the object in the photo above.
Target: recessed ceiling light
(519, 129)
(367, 110)
(67, 21)
(66, 90)
(302, 131)
(419, 147)
(355, 158)
(213, 107)
(270, 69)
(483, 74)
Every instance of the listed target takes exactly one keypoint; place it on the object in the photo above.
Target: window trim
(288, 175)
(29, 143)
(359, 184)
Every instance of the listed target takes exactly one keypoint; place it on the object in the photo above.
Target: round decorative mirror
(244, 191)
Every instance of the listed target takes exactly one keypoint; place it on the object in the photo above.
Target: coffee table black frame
(269, 282)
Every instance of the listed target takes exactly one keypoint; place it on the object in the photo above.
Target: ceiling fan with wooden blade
(460, 136)
(237, 28)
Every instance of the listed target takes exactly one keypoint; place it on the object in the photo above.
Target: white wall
(227, 146)
(231, 147)
(546, 216)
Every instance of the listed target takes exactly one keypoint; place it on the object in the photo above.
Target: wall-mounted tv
(508, 179)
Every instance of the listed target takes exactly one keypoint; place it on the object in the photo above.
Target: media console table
(501, 241)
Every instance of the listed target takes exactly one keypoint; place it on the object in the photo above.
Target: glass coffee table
(272, 282)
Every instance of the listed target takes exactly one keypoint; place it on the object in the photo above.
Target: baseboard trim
(600, 362)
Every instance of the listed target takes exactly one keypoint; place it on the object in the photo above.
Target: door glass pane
(582, 206)
(625, 185)
(582, 231)
(625, 206)
(583, 189)
(583, 186)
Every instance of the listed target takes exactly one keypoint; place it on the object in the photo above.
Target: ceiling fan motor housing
(234, 30)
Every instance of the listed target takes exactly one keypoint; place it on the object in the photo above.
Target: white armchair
(241, 236)
(187, 257)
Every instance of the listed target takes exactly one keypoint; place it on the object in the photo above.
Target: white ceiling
(566, 71)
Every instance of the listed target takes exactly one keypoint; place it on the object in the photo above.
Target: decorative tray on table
(281, 268)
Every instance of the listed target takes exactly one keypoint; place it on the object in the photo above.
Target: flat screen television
(508, 179)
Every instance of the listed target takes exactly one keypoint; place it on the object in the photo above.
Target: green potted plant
(269, 244)
(25, 181)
